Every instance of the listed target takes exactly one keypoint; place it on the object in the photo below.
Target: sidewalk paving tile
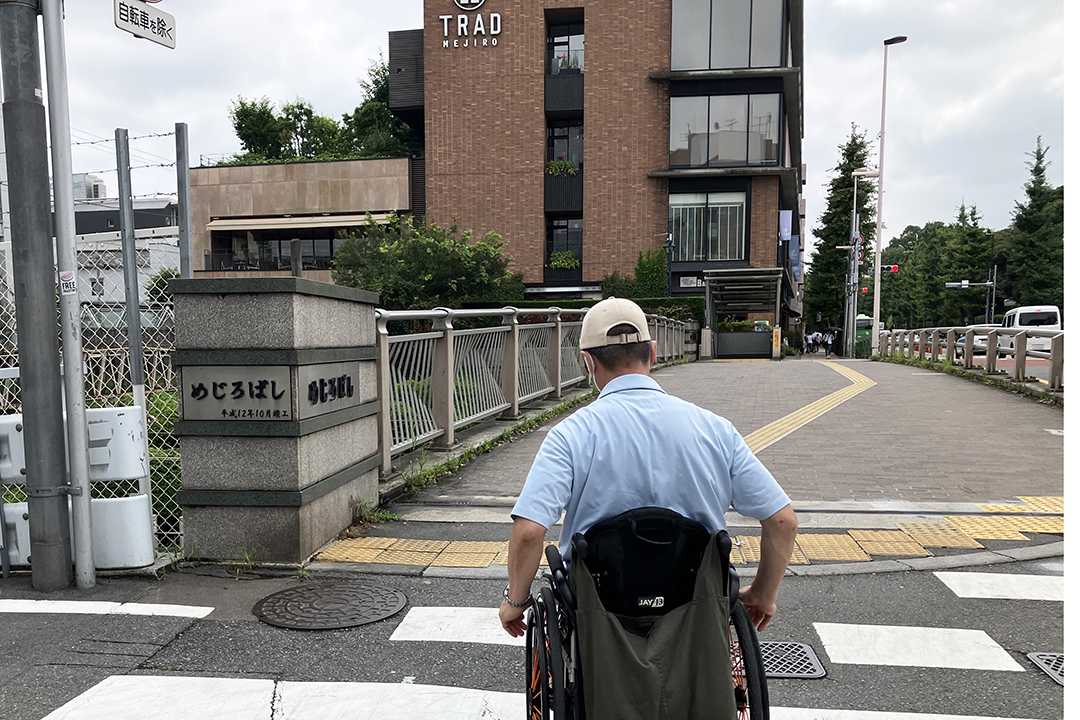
(463, 559)
(938, 535)
(1047, 525)
(831, 547)
(1046, 504)
(429, 546)
(405, 557)
(907, 549)
(1005, 508)
(749, 551)
(985, 528)
(472, 546)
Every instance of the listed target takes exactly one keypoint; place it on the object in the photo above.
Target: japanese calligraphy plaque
(328, 387)
(237, 392)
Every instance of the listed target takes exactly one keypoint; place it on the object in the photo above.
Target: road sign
(857, 255)
(857, 240)
(143, 21)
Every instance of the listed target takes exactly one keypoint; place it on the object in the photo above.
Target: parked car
(1034, 317)
(979, 344)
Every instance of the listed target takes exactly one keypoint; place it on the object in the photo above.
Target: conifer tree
(825, 280)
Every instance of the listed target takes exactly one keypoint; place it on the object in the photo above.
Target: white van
(1036, 317)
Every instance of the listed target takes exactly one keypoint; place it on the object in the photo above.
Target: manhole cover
(790, 660)
(328, 606)
(1053, 664)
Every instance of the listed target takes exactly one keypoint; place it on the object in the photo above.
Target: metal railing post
(442, 380)
(950, 344)
(991, 352)
(511, 367)
(382, 377)
(554, 357)
(1020, 356)
(1057, 361)
(969, 349)
(922, 335)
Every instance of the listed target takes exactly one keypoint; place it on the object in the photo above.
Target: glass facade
(726, 34)
(563, 235)
(725, 131)
(272, 249)
(566, 47)
(708, 226)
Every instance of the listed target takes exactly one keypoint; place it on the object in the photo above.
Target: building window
(272, 249)
(565, 141)
(725, 131)
(723, 34)
(564, 239)
(708, 226)
(566, 47)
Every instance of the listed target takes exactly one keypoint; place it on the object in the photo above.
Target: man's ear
(652, 353)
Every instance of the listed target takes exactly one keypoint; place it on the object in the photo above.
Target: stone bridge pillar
(278, 414)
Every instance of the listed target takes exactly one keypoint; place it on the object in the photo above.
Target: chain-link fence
(106, 363)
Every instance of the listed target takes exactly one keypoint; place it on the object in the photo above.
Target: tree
(257, 127)
(1037, 253)
(423, 266)
(826, 278)
(371, 130)
(157, 287)
(965, 255)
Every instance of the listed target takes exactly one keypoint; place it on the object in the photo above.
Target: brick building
(588, 131)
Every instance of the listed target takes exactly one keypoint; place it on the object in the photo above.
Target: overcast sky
(968, 93)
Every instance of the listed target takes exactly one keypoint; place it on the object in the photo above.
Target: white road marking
(130, 697)
(1055, 432)
(454, 624)
(913, 647)
(783, 713)
(91, 607)
(1002, 586)
(136, 697)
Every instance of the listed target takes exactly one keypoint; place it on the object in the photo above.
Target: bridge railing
(959, 344)
(432, 383)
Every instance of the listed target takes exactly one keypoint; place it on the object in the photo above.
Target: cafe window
(708, 226)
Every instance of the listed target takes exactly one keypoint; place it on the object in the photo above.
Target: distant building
(600, 128)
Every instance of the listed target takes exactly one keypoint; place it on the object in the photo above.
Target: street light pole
(881, 191)
(856, 243)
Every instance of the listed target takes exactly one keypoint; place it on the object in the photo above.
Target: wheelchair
(649, 554)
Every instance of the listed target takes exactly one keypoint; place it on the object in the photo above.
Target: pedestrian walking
(828, 343)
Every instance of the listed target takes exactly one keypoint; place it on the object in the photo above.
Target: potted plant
(563, 260)
(560, 168)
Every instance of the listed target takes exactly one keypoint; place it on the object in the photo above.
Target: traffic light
(890, 268)
(865, 289)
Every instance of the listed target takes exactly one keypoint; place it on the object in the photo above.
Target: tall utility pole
(52, 15)
(35, 296)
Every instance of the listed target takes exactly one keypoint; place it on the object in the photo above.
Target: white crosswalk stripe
(92, 607)
(1004, 586)
(913, 647)
(454, 624)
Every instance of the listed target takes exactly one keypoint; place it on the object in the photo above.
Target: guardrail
(960, 344)
(430, 384)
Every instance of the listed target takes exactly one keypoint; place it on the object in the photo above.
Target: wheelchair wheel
(747, 668)
(557, 661)
(537, 664)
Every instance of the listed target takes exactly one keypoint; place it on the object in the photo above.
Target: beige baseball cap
(608, 313)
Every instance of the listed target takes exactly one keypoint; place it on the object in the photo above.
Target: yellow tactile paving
(880, 536)
(502, 558)
(472, 546)
(938, 535)
(434, 546)
(776, 431)
(831, 547)
(749, 547)
(338, 553)
(463, 559)
(1046, 504)
(1048, 525)
(405, 557)
(543, 555)
(985, 528)
(1007, 508)
(378, 543)
(909, 548)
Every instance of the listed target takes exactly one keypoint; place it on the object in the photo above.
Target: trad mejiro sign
(473, 29)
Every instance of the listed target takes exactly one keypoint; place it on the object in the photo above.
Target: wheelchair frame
(552, 667)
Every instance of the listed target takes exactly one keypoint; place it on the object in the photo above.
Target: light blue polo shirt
(637, 446)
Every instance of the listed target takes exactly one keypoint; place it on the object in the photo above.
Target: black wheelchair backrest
(645, 561)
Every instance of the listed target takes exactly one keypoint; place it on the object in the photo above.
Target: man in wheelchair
(638, 626)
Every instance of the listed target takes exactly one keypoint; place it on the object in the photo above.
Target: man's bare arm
(777, 540)
(526, 547)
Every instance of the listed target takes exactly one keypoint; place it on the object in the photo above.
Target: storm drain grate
(1053, 664)
(328, 606)
(790, 660)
